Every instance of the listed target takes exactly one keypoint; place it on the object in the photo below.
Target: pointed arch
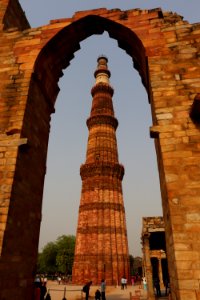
(58, 52)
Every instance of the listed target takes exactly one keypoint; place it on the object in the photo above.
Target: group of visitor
(40, 289)
(99, 294)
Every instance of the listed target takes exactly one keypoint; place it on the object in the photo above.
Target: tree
(57, 256)
(135, 265)
(131, 260)
(65, 255)
(47, 259)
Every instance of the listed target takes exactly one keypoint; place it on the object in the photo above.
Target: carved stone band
(102, 169)
(98, 206)
(103, 119)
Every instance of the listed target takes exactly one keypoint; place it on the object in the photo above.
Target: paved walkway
(72, 292)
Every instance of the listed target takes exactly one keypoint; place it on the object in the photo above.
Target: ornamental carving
(103, 206)
(102, 87)
(102, 119)
(102, 169)
(102, 230)
(108, 183)
(101, 257)
(102, 103)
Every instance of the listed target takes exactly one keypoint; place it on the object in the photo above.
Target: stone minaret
(101, 241)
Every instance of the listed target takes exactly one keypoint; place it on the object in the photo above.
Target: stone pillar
(148, 268)
(160, 272)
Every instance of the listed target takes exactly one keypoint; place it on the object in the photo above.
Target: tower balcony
(102, 119)
(102, 87)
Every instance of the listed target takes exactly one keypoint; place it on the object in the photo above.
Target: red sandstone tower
(101, 240)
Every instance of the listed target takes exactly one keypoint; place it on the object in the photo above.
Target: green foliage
(135, 264)
(57, 256)
(131, 261)
(65, 254)
(47, 259)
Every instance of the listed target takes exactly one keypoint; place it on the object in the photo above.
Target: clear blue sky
(68, 138)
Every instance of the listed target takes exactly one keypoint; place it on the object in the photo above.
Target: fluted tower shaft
(101, 250)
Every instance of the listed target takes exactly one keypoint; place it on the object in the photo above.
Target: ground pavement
(73, 292)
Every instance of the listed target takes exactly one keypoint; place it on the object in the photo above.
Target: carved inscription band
(103, 119)
(103, 169)
(97, 205)
(109, 184)
(102, 230)
(109, 258)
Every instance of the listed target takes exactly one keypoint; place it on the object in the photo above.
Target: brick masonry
(165, 51)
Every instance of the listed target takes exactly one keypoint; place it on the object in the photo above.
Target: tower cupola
(102, 74)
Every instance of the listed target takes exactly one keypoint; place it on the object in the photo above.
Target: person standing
(132, 280)
(103, 289)
(43, 290)
(166, 286)
(157, 286)
(59, 279)
(144, 281)
(45, 280)
(125, 282)
(122, 283)
(37, 290)
(86, 289)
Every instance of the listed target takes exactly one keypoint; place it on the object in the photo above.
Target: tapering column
(101, 240)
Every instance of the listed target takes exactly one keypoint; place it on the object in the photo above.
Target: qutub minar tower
(101, 250)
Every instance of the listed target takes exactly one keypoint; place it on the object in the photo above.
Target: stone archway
(165, 52)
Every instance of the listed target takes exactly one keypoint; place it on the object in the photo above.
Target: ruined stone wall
(12, 15)
(165, 51)
(152, 225)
